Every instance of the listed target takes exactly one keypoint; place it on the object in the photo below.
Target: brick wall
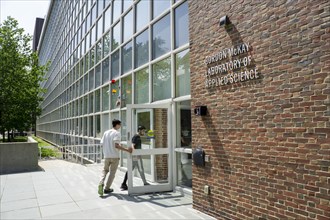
(160, 132)
(268, 138)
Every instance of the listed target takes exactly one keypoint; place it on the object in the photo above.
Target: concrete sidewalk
(65, 190)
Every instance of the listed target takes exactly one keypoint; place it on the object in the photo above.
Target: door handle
(128, 135)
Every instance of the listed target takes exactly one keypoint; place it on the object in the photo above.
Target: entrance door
(153, 162)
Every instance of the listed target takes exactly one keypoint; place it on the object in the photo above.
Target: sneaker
(123, 187)
(100, 190)
(107, 191)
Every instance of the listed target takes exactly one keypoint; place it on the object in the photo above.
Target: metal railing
(83, 154)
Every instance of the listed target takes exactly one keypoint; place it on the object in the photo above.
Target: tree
(20, 78)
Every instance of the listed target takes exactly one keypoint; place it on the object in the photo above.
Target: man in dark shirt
(137, 160)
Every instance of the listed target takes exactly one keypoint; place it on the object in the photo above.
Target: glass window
(116, 9)
(141, 86)
(91, 127)
(105, 123)
(98, 126)
(161, 79)
(182, 73)
(106, 44)
(107, 19)
(123, 126)
(127, 4)
(97, 100)
(105, 70)
(91, 103)
(181, 25)
(98, 76)
(91, 80)
(99, 28)
(85, 104)
(115, 65)
(126, 91)
(93, 35)
(94, 14)
(127, 58)
(85, 126)
(86, 83)
(115, 96)
(128, 26)
(98, 51)
(160, 6)
(142, 14)
(100, 4)
(105, 98)
(141, 49)
(92, 57)
(161, 39)
(81, 86)
(115, 36)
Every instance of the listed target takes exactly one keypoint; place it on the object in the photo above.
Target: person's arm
(119, 147)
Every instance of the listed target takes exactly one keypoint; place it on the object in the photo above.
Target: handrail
(83, 153)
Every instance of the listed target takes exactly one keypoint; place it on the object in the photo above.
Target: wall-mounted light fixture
(200, 110)
(224, 21)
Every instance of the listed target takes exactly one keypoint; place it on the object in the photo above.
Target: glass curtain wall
(106, 54)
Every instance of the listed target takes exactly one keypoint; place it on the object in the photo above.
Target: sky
(24, 11)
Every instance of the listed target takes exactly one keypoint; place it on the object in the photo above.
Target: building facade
(247, 82)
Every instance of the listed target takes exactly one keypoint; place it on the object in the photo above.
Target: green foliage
(20, 78)
(48, 152)
(20, 139)
(41, 143)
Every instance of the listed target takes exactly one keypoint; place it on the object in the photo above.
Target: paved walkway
(65, 190)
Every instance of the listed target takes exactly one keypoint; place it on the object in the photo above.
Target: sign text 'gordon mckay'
(229, 68)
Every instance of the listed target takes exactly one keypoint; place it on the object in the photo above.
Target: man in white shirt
(111, 146)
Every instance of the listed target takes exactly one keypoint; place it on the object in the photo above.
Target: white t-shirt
(110, 137)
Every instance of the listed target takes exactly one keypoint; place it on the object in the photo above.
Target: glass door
(150, 168)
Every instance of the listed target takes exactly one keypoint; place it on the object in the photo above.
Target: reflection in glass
(128, 26)
(91, 80)
(116, 9)
(142, 14)
(91, 127)
(161, 37)
(161, 79)
(107, 19)
(115, 36)
(126, 91)
(105, 98)
(182, 68)
(141, 87)
(127, 58)
(141, 49)
(115, 96)
(91, 103)
(98, 76)
(105, 71)
(97, 100)
(181, 25)
(115, 65)
(105, 123)
(184, 169)
(160, 6)
(106, 44)
(98, 126)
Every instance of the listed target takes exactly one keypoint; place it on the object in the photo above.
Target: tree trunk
(8, 139)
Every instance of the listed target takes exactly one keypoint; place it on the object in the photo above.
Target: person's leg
(105, 170)
(141, 171)
(113, 169)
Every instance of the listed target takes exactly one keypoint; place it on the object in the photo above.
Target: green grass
(17, 139)
(47, 152)
(41, 143)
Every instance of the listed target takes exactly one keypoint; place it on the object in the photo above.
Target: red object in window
(113, 81)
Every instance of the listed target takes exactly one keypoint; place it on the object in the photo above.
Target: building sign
(229, 66)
